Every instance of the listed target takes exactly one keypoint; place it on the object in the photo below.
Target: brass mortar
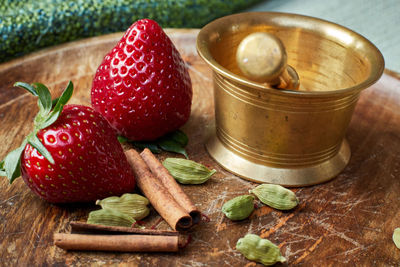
(292, 138)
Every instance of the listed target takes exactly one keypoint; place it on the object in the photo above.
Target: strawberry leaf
(172, 142)
(139, 144)
(62, 100)
(54, 102)
(12, 163)
(65, 96)
(172, 146)
(2, 170)
(122, 139)
(34, 141)
(27, 87)
(142, 145)
(44, 98)
(178, 137)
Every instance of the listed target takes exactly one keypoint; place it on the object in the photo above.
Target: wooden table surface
(348, 221)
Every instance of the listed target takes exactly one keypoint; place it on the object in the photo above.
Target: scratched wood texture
(348, 221)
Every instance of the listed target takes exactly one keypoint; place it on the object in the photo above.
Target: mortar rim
(375, 57)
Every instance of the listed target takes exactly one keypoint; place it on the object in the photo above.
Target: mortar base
(294, 177)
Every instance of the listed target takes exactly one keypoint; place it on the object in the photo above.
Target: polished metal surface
(261, 57)
(289, 137)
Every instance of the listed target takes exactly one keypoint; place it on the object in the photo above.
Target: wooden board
(348, 221)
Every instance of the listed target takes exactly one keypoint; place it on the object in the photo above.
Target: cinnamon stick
(170, 183)
(157, 194)
(124, 243)
(81, 227)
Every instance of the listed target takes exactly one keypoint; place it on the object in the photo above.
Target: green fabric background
(27, 25)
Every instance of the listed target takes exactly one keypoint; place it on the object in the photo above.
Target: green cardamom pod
(187, 171)
(110, 218)
(133, 205)
(260, 250)
(239, 208)
(276, 196)
(396, 237)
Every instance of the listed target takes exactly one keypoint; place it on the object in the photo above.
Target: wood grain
(348, 221)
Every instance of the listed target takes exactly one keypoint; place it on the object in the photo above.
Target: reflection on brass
(261, 57)
(288, 137)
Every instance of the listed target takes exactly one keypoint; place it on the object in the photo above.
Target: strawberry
(143, 87)
(72, 155)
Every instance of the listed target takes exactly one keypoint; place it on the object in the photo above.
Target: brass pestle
(262, 58)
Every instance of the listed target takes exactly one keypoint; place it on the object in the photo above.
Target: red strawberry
(80, 158)
(142, 87)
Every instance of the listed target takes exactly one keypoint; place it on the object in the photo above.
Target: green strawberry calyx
(172, 142)
(49, 111)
